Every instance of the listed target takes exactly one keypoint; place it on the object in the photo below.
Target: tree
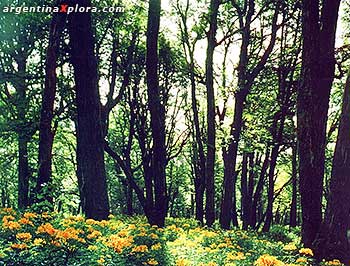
(209, 82)
(333, 240)
(312, 105)
(246, 78)
(156, 212)
(90, 142)
(198, 153)
(21, 79)
(46, 133)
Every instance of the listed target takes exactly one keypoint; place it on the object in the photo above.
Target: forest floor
(51, 239)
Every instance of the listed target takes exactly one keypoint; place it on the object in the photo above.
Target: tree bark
(90, 143)
(23, 172)
(258, 191)
(23, 134)
(209, 82)
(46, 134)
(294, 204)
(244, 192)
(156, 213)
(312, 105)
(334, 239)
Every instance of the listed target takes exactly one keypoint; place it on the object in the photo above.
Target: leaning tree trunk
(334, 239)
(156, 214)
(46, 134)
(90, 143)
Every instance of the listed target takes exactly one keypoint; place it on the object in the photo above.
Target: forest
(175, 132)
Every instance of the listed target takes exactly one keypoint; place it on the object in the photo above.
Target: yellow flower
(39, 242)
(238, 256)
(182, 262)
(301, 260)
(268, 260)
(334, 263)
(45, 215)
(30, 215)
(7, 218)
(68, 233)
(290, 247)
(25, 221)
(306, 251)
(222, 245)
(92, 248)
(94, 234)
(101, 261)
(153, 236)
(212, 263)
(119, 243)
(19, 246)
(12, 225)
(46, 228)
(8, 210)
(24, 236)
(156, 246)
(152, 262)
(141, 248)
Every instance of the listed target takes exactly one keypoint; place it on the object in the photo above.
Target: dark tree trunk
(271, 188)
(228, 204)
(209, 82)
(334, 239)
(277, 139)
(199, 198)
(313, 100)
(251, 184)
(23, 135)
(90, 143)
(258, 191)
(129, 200)
(156, 213)
(198, 148)
(244, 191)
(46, 134)
(23, 172)
(294, 204)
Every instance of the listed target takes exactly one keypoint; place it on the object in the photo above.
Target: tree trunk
(334, 239)
(23, 135)
(228, 204)
(156, 214)
(244, 191)
(312, 104)
(90, 143)
(294, 204)
(23, 172)
(258, 190)
(46, 134)
(209, 82)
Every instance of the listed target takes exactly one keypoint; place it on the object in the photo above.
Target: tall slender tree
(209, 82)
(157, 212)
(46, 133)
